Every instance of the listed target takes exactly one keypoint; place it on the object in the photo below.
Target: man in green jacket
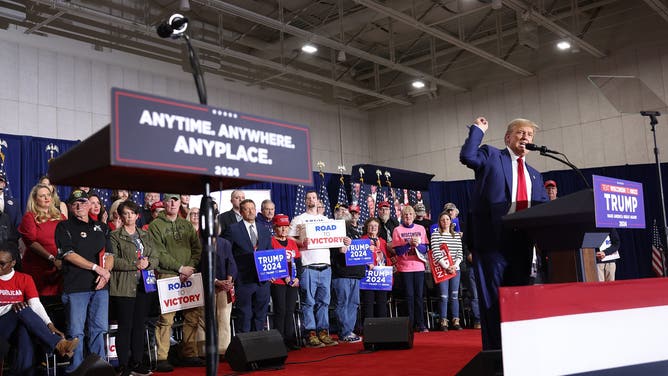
(179, 250)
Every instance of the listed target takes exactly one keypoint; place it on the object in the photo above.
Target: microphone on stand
(546, 152)
(542, 149)
(174, 27)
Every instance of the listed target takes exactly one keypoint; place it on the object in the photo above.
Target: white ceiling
(369, 51)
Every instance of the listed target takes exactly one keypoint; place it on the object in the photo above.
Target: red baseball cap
(550, 183)
(157, 205)
(354, 208)
(281, 220)
(384, 204)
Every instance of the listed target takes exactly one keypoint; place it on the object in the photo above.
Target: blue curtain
(25, 159)
(12, 156)
(35, 162)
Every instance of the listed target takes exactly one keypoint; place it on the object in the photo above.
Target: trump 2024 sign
(619, 203)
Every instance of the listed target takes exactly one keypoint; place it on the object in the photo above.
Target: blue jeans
(25, 327)
(89, 311)
(315, 287)
(414, 288)
(474, 294)
(347, 292)
(450, 292)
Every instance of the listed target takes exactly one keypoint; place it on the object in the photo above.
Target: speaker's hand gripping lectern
(558, 228)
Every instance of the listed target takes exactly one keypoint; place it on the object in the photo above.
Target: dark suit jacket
(12, 208)
(225, 264)
(242, 249)
(491, 197)
(225, 219)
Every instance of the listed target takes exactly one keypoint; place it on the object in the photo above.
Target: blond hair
(51, 214)
(518, 123)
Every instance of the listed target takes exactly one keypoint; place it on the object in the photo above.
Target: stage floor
(433, 353)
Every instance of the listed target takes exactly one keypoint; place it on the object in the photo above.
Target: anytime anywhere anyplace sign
(166, 134)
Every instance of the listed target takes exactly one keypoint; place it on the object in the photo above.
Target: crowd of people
(86, 266)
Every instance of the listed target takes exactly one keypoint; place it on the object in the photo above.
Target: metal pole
(653, 122)
(208, 253)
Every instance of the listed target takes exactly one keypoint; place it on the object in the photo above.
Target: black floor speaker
(485, 363)
(256, 350)
(94, 365)
(387, 333)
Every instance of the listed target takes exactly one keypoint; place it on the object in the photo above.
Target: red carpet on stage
(434, 353)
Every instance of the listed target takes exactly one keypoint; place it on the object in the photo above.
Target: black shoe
(141, 370)
(191, 362)
(122, 371)
(164, 366)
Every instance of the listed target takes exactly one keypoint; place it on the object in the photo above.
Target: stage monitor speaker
(256, 350)
(485, 363)
(387, 333)
(93, 365)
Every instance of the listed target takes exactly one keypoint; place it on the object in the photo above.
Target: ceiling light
(184, 5)
(309, 48)
(564, 45)
(418, 84)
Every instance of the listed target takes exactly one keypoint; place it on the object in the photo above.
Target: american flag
(380, 195)
(658, 261)
(412, 197)
(300, 201)
(364, 208)
(342, 198)
(324, 196)
(394, 194)
(136, 197)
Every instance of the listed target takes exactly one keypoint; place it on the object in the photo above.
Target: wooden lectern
(558, 228)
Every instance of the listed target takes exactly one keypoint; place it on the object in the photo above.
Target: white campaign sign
(176, 295)
(328, 234)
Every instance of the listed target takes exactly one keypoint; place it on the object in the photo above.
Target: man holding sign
(252, 294)
(179, 251)
(316, 278)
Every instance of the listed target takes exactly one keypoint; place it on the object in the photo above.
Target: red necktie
(522, 201)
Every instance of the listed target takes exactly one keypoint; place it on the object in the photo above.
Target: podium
(558, 228)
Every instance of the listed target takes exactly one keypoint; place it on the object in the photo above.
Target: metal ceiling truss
(260, 45)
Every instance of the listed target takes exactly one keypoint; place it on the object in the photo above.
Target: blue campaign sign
(619, 203)
(378, 278)
(359, 252)
(166, 134)
(271, 263)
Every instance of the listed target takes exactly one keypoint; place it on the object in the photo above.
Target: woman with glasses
(133, 254)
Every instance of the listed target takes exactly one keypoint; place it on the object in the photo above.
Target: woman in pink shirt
(409, 241)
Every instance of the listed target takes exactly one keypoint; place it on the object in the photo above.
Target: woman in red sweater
(38, 228)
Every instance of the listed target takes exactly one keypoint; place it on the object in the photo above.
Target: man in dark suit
(7, 203)
(504, 184)
(252, 295)
(233, 215)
